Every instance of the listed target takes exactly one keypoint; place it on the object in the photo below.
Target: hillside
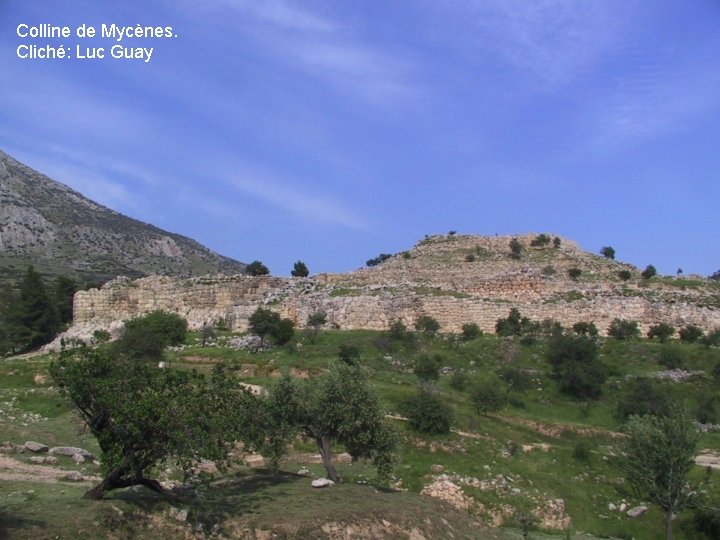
(47, 224)
(456, 279)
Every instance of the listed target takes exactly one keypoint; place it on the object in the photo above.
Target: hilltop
(456, 279)
(61, 232)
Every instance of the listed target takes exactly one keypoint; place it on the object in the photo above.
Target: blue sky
(331, 131)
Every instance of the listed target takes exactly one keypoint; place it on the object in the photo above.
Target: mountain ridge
(60, 231)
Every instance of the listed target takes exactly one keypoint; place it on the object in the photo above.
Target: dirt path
(709, 458)
(15, 470)
(558, 430)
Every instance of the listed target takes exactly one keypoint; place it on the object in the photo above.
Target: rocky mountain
(49, 225)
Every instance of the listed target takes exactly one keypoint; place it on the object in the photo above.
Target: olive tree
(143, 416)
(338, 407)
(658, 456)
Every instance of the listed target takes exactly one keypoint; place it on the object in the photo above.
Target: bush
(624, 274)
(549, 271)
(469, 257)
(256, 268)
(642, 396)
(470, 331)
(672, 357)
(715, 276)
(649, 272)
(487, 396)
(427, 325)
(582, 451)
(514, 325)
(349, 353)
(576, 366)
(264, 323)
(515, 248)
(624, 330)
(378, 260)
(427, 414)
(585, 329)
(427, 368)
(514, 379)
(397, 330)
(540, 240)
(691, 333)
(147, 336)
(706, 410)
(557, 242)
(574, 273)
(661, 331)
(100, 336)
(712, 339)
(458, 380)
(607, 252)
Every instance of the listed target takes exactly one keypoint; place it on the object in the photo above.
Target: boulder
(322, 482)
(70, 451)
(437, 469)
(38, 460)
(637, 511)
(36, 446)
(78, 458)
(74, 476)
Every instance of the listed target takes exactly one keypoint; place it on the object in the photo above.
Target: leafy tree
(397, 330)
(427, 325)
(715, 276)
(659, 454)
(607, 252)
(378, 260)
(624, 275)
(624, 330)
(557, 242)
(147, 336)
(64, 290)
(576, 366)
(470, 331)
(300, 270)
(13, 333)
(256, 268)
(516, 249)
(427, 414)
(315, 323)
(143, 416)
(264, 323)
(574, 273)
(649, 272)
(691, 333)
(338, 407)
(207, 332)
(487, 396)
(585, 329)
(541, 240)
(662, 331)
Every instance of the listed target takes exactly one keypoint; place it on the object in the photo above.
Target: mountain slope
(45, 223)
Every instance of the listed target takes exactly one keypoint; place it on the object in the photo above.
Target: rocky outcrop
(457, 280)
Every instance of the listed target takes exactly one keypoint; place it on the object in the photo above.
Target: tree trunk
(115, 480)
(668, 524)
(326, 455)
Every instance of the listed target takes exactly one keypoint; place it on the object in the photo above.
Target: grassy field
(519, 459)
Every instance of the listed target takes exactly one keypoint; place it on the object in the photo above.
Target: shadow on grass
(214, 502)
(10, 522)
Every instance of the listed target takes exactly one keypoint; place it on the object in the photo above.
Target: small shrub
(397, 330)
(624, 275)
(649, 272)
(349, 353)
(378, 260)
(691, 333)
(469, 257)
(406, 255)
(712, 339)
(540, 240)
(672, 357)
(458, 380)
(642, 396)
(100, 336)
(582, 451)
(256, 268)
(427, 414)
(661, 331)
(624, 330)
(574, 273)
(470, 331)
(515, 249)
(585, 329)
(487, 396)
(607, 252)
(557, 242)
(427, 325)
(427, 368)
(549, 271)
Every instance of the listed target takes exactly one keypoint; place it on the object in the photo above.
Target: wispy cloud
(307, 206)
(284, 14)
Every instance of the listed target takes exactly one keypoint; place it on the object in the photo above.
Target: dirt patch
(558, 430)
(14, 470)
(709, 458)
